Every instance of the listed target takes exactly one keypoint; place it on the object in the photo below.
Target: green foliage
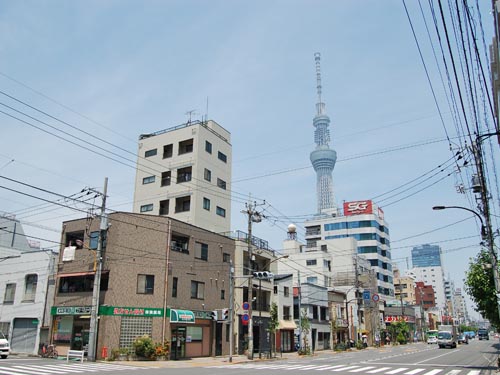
(480, 286)
(401, 338)
(305, 325)
(340, 347)
(359, 344)
(144, 347)
(273, 324)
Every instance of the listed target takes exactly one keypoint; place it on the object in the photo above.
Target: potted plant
(162, 350)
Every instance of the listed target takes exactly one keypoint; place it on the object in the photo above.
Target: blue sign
(246, 306)
(366, 295)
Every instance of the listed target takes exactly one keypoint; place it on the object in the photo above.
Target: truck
(482, 334)
(447, 336)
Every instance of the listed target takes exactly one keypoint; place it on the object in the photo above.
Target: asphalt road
(477, 358)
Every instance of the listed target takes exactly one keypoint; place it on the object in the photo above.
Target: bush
(401, 338)
(143, 347)
(340, 347)
(359, 344)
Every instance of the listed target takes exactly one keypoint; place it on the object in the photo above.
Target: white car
(432, 340)
(4, 346)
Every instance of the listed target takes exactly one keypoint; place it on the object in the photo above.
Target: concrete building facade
(184, 172)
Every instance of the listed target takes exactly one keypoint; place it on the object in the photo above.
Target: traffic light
(263, 275)
(214, 315)
(225, 314)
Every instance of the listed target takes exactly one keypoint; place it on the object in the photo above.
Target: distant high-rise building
(426, 256)
(364, 222)
(323, 158)
(185, 172)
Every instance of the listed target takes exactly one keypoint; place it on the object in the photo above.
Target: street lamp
(486, 236)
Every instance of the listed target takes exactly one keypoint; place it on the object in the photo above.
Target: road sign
(366, 294)
(246, 306)
(244, 319)
(375, 297)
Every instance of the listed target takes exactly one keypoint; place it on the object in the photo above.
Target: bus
(432, 336)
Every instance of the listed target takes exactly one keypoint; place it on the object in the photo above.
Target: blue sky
(133, 67)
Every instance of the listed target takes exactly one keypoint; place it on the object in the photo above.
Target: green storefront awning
(181, 316)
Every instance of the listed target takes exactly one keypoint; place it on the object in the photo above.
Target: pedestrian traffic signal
(263, 275)
(214, 315)
(225, 314)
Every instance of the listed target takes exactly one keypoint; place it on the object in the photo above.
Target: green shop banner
(70, 310)
(181, 316)
(131, 311)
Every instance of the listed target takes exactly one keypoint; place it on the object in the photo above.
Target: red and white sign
(398, 318)
(358, 208)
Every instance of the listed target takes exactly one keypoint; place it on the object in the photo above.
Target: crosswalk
(357, 369)
(61, 368)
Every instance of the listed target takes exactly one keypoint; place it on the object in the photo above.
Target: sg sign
(358, 207)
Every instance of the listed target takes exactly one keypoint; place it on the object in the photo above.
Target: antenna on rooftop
(190, 114)
(320, 106)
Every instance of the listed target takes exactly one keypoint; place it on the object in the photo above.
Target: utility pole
(103, 227)
(300, 309)
(487, 232)
(253, 217)
(231, 309)
(358, 299)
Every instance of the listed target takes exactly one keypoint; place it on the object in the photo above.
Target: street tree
(480, 286)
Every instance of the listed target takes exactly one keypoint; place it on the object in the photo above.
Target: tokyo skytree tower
(323, 158)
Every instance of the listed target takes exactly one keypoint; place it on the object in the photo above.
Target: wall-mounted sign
(70, 310)
(181, 316)
(398, 318)
(358, 208)
(131, 311)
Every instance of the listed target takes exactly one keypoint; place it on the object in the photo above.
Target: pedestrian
(365, 342)
(388, 340)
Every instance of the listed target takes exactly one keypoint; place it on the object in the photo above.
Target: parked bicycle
(49, 351)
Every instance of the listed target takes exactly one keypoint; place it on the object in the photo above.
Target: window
(182, 204)
(222, 157)
(226, 257)
(322, 313)
(222, 294)
(149, 153)
(30, 282)
(312, 280)
(286, 313)
(75, 239)
(208, 147)
(221, 183)
(5, 329)
(220, 211)
(286, 291)
(206, 204)
(84, 283)
(311, 262)
(164, 205)
(197, 290)
(165, 178)
(147, 207)
(10, 293)
(145, 284)
(275, 289)
(148, 180)
(186, 146)
(175, 280)
(179, 243)
(94, 239)
(207, 175)
(184, 174)
(168, 151)
(201, 251)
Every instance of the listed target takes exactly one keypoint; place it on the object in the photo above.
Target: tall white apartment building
(364, 222)
(185, 172)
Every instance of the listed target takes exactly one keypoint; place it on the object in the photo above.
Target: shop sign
(399, 318)
(70, 310)
(358, 208)
(181, 316)
(203, 314)
(131, 311)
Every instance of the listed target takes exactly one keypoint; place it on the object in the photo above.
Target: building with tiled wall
(137, 296)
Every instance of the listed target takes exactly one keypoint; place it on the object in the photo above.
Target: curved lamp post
(485, 237)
